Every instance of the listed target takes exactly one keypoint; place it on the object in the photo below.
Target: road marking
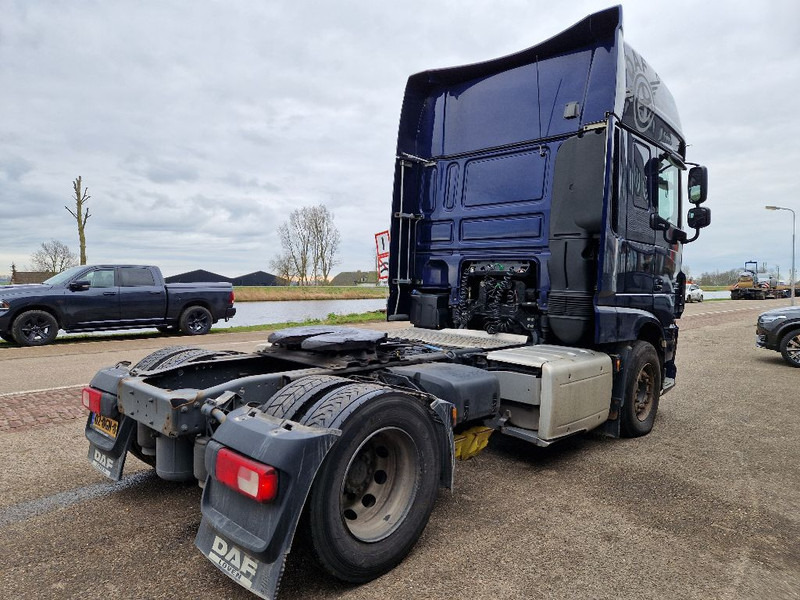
(42, 506)
(52, 389)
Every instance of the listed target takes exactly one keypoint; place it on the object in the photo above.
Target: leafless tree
(310, 242)
(325, 244)
(283, 267)
(81, 214)
(53, 257)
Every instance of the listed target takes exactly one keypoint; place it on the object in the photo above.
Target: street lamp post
(793, 234)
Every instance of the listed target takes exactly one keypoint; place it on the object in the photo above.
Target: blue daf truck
(537, 223)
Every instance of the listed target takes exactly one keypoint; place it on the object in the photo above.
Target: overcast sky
(198, 126)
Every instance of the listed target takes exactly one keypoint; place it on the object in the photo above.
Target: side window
(637, 181)
(136, 278)
(102, 278)
(668, 196)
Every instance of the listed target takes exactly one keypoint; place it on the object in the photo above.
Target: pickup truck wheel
(195, 320)
(642, 390)
(790, 348)
(34, 328)
(375, 491)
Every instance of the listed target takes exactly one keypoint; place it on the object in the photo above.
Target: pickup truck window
(136, 277)
(64, 276)
(102, 278)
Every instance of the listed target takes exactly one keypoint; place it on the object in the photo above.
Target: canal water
(265, 313)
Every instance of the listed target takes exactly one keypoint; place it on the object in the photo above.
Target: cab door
(638, 254)
(95, 306)
(142, 300)
(667, 263)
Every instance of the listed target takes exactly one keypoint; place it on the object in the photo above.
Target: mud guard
(247, 540)
(444, 422)
(107, 454)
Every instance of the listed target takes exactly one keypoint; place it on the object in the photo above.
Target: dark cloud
(198, 131)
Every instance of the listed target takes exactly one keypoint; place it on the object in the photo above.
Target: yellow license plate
(106, 425)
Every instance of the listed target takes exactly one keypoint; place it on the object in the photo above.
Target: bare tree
(81, 214)
(283, 267)
(53, 257)
(325, 241)
(296, 243)
(310, 242)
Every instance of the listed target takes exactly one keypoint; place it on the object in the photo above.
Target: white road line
(52, 389)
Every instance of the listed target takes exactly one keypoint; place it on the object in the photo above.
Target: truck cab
(541, 194)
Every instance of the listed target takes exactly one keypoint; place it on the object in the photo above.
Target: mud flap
(107, 454)
(247, 540)
(444, 421)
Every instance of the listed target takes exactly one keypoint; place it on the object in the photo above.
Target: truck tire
(291, 400)
(376, 488)
(642, 390)
(195, 320)
(34, 328)
(173, 356)
(790, 347)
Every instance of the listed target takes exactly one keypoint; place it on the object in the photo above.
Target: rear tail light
(232, 298)
(90, 398)
(253, 479)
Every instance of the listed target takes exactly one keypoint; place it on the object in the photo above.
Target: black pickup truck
(89, 298)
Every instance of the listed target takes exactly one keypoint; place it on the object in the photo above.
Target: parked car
(694, 293)
(779, 329)
(89, 298)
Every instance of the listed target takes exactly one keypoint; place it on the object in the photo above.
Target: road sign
(382, 253)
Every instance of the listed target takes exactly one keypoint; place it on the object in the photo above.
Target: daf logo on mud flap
(233, 561)
(104, 461)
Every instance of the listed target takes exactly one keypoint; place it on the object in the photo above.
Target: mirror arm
(694, 237)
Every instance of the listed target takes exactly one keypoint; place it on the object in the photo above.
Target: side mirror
(79, 286)
(698, 185)
(698, 217)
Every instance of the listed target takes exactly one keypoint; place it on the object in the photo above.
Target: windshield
(64, 276)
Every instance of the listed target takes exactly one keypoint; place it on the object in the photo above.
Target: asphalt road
(706, 506)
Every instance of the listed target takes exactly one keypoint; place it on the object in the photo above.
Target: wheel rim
(379, 485)
(793, 349)
(197, 320)
(36, 329)
(643, 395)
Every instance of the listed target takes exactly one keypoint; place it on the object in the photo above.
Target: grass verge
(323, 292)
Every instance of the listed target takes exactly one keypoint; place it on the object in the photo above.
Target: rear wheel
(642, 390)
(195, 320)
(34, 328)
(375, 490)
(790, 348)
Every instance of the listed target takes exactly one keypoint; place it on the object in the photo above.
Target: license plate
(105, 425)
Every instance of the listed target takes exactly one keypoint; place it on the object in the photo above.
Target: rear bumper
(230, 312)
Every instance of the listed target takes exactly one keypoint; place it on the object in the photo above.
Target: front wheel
(34, 328)
(376, 488)
(642, 390)
(790, 348)
(195, 320)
